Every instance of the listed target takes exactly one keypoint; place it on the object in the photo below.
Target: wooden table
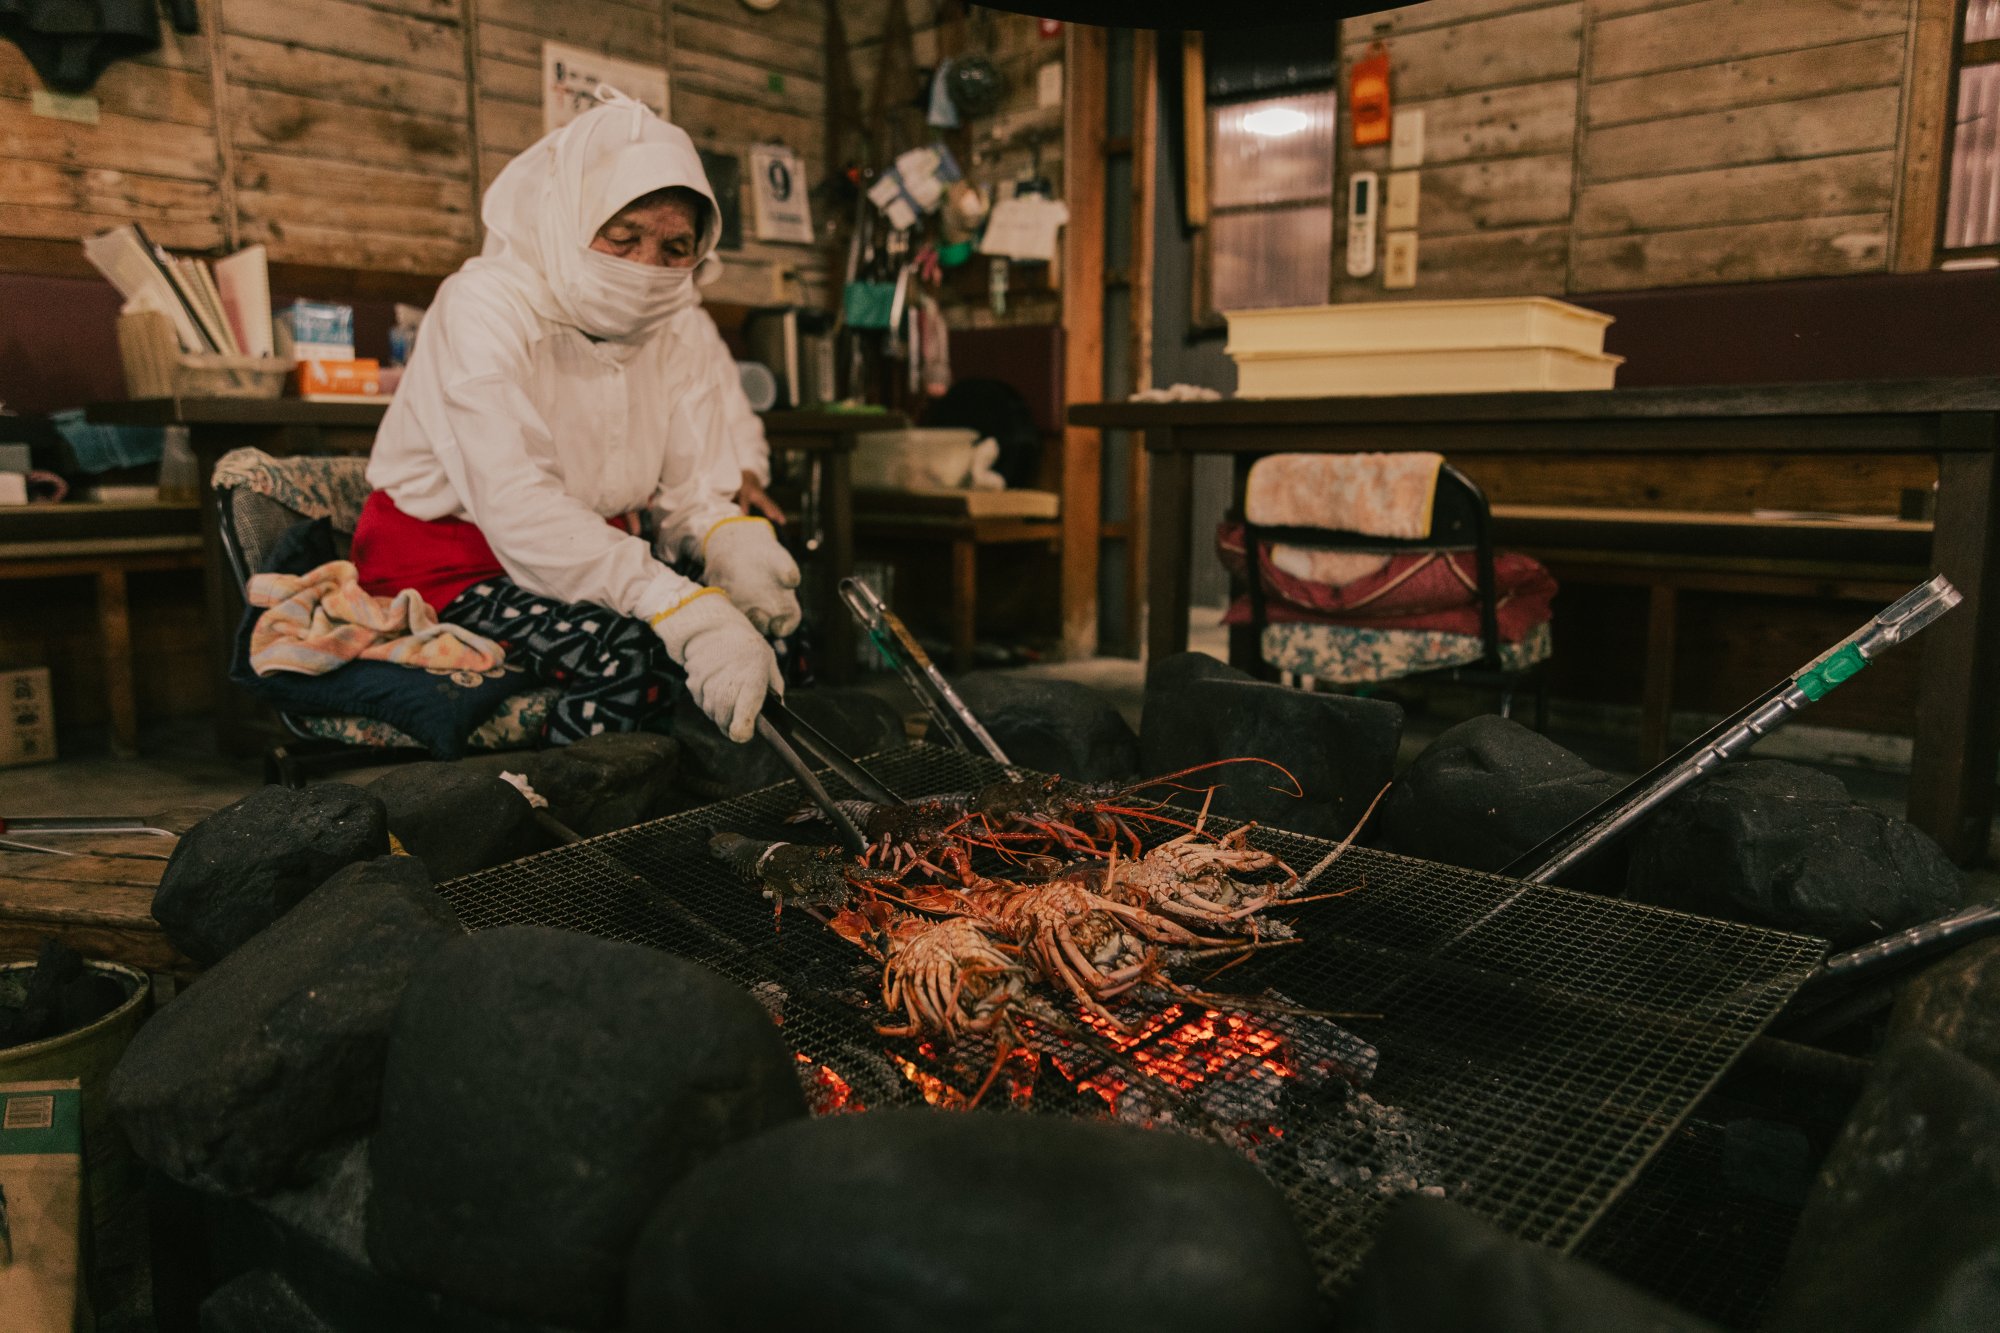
(103, 542)
(1784, 435)
(286, 427)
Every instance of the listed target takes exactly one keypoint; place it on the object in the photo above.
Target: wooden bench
(967, 520)
(103, 542)
(100, 906)
(1666, 553)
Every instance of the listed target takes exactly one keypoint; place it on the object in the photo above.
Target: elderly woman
(566, 382)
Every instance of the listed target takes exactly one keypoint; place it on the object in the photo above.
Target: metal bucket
(88, 1055)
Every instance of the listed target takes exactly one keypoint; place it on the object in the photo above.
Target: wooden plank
(1926, 113)
(1500, 122)
(1430, 14)
(32, 882)
(1085, 62)
(303, 178)
(305, 243)
(745, 82)
(508, 126)
(449, 11)
(505, 79)
(744, 40)
(1530, 261)
(1528, 46)
(1754, 252)
(352, 30)
(291, 69)
(523, 45)
(146, 199)
(798, 22)
(711, 120)
(1721, 483)
(1819, 186)
(277, 213)
(116, 143)
(186, 51)
(596, 24)
(144, 92)
(69, 224)
(1852, 122)
(1872, 63)
(1488, 196)
(1715, 30)
(314, 127)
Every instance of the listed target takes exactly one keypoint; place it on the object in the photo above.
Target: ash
(1367, 1147)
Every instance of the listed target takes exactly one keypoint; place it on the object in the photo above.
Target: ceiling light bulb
(1275, 122)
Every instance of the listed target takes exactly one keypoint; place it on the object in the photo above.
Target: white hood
(547, 204)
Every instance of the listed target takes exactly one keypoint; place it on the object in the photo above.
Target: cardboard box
(337, 381)
(27, 718)
(41, 1172)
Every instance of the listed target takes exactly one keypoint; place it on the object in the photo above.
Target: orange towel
(323, 619)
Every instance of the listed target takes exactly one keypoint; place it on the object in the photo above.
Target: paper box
(320, 381)
(41, 1172)
(27, 718)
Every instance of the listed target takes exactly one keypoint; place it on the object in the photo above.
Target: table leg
(1957, 738)
(964, 603)
(1656, 708)
(836, 513)
(114, 629)
(1170, 511)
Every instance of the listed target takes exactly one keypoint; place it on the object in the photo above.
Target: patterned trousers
(613, 671)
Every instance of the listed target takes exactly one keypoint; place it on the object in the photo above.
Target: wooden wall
(359, 134)
(1618, 144)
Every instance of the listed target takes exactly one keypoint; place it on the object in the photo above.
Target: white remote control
(1361, 210)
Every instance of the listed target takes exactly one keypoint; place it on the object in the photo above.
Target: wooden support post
(1169, 511)
(1656, 707)
(964, 602)
(1952, 769)
(114, 630)
(1084, 75)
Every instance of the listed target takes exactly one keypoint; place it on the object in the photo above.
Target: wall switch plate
(1406, 138)
(1362, 207)
(61, 106)
(1399, 206)
(1399, 266)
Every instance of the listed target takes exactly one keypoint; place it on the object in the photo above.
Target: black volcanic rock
(457, 818)
(244, 866)
(900, 1221)
(280, 1047)
(543, 1090)
(1052, 726)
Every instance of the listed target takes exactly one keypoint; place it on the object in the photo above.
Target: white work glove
(743, 558)
(729, 666)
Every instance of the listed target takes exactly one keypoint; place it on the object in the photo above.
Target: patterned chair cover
(269, 495)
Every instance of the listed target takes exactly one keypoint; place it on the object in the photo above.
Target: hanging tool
(65, 826)
(953, 720)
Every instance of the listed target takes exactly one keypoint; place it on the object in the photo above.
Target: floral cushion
(313, 486)
(516, 724)
(1343, 655)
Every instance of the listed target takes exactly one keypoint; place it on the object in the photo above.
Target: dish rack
(156, 367)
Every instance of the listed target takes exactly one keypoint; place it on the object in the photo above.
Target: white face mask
(621, 301)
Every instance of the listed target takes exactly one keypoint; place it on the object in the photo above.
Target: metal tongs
(787, 733)
(954, 721)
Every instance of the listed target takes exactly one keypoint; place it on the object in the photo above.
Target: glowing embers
(827, 1093)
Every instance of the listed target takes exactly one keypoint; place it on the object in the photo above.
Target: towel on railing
(321, 620)
(1383, 495)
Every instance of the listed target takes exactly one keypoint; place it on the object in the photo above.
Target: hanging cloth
(70, 42)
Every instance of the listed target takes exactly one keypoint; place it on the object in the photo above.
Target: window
(1271, 201)
(1972, 201)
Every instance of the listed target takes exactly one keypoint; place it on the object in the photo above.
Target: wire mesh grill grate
(1536, 1045)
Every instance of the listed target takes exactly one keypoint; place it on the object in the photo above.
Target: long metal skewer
(1898, 622)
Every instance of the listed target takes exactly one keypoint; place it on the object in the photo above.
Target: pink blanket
(323, 620)
(1383, 495)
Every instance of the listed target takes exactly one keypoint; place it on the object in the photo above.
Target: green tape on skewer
(1838, 666)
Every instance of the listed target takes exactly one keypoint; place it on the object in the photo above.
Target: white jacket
(511, 418)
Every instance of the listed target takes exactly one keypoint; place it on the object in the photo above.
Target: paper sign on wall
(778, 194)
(570, 76)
